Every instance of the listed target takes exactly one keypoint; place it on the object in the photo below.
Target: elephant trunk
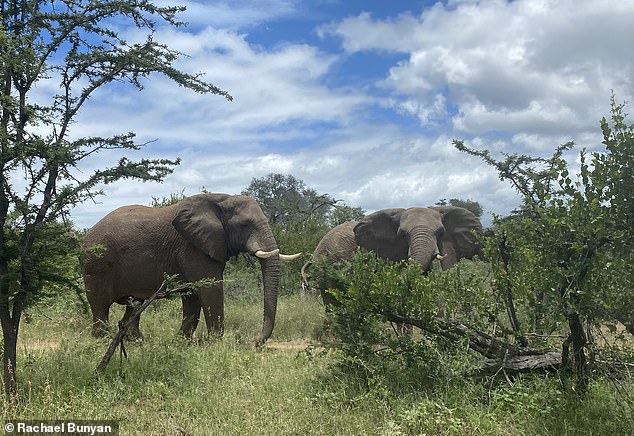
(423, 247)
(264, 240)
(271, 280)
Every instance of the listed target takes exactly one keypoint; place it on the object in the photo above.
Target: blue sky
(361, 99)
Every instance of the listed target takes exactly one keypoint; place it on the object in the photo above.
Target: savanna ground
(171, 386)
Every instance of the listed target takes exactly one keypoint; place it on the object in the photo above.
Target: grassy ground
(169, 386)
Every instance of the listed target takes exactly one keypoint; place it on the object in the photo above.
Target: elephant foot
(134, 335)
(99, 329)
(186, 333)
(215, 335)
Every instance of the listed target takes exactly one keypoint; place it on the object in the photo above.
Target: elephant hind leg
(99, 321)
(98, 298)
(133, 332)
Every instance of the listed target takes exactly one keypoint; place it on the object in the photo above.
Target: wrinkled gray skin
(194, 239)
(418, 233)
(337, 245)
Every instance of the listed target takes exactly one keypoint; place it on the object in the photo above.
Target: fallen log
(501, 356)
(479, 341)
(549, 361)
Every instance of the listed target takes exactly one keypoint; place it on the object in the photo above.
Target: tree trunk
(10, 337)
(515, 322)
(508, 294)
(10, 324)
(578, 338)
(540, 315)
(479, 341)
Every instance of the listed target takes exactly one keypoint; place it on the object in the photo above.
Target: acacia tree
(72, 43)
(572, 235)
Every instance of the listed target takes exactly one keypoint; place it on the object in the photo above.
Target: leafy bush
(370, 290)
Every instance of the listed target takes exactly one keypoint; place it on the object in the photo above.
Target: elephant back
(338, 244)
(128, 229)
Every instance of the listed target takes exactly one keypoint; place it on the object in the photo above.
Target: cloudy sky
(361, 99)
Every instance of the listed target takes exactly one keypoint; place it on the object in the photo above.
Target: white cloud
(278, 95)
(373, 166)
(363, 33)
(270, 88)
(538, 71)
(527, 66)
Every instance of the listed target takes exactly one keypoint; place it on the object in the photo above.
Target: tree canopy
(286, 199)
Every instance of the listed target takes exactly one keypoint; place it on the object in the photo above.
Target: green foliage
(370, 290)
(426, 417)
(34, 137)
(379, 286)
(343, 213)
(287, 202)
(297, 237)
(561, 263)
(168, 201)
(167, 384)
(284, 199)
(567, 253)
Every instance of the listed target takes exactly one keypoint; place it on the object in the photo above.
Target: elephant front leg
(191, 314)
(212, 302)
(196, 266)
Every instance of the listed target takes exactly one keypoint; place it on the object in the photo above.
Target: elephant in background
(423, 234)
(338, 245)
(128, 252)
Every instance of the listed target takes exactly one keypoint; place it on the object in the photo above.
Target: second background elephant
(420, 233)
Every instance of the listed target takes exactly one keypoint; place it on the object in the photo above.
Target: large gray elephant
(130, 250)
(420, 233)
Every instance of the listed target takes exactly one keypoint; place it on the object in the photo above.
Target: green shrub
(370, 290)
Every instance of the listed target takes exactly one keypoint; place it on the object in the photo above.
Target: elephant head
(423, 234)
(223, 226)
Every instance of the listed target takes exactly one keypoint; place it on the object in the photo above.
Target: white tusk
(266, 254)
(288, 257)
(441, 256)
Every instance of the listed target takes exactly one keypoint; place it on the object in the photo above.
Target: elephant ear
(378, 232)
(458, 240)
(198, 220)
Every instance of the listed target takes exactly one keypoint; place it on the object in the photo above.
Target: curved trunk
(423, 247)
